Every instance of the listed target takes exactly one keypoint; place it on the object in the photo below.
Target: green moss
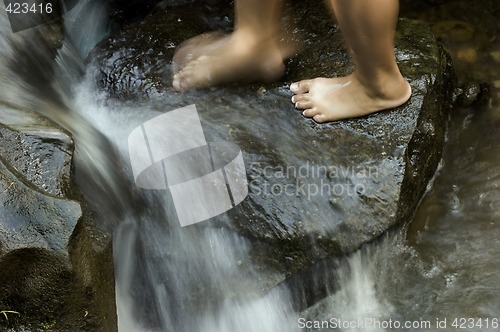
(49, 325)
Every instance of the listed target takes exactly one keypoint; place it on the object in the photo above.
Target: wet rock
(55, 265)
(37, 150)
(314, 190)
(32, 219)
(35, 161)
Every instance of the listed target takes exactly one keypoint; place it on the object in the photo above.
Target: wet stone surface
(32, 219)
(35, 161)
(314, 190)
(38, 150)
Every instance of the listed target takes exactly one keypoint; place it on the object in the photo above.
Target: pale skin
(252, 52)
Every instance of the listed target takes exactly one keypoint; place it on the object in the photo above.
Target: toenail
(293, 99)
(294, 87)
(297, 104)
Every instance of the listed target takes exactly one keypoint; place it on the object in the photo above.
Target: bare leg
(368, 27)
(250, 52)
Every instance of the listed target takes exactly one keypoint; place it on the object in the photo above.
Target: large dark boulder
(315, 191)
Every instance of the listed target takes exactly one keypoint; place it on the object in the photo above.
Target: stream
(441, 272)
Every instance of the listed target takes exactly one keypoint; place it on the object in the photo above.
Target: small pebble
(471, 92)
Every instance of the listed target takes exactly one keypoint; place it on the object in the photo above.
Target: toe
(301, 87)
(310, 112)
(302, 97)
(304, 104)
(320, 118)
(176, 83)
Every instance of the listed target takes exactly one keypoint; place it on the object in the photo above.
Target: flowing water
(442, 268)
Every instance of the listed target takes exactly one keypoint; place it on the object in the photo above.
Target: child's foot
(227, 59)
(331, 99)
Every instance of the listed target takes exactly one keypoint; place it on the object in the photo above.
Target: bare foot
(195, 47)
(331, 99)
(226, 59)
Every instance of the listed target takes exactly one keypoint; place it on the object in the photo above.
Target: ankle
(384, 86)
(248, 40)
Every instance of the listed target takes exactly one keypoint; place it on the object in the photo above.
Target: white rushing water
(159, 266)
